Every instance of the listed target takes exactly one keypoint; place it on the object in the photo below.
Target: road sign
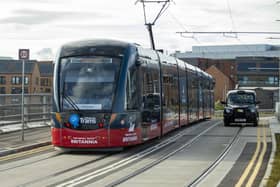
(23, 54)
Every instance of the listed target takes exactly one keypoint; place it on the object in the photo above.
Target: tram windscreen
(89, 83)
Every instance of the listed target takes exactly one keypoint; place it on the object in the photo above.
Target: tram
(110, 94)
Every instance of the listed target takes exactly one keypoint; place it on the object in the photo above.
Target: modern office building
(254, 67)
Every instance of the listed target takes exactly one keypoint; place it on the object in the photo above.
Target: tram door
(150, 95)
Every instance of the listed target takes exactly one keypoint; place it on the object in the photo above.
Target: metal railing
(37, 107)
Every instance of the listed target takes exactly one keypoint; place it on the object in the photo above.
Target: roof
(231, 51)
(46, 69)
(263, 88)
(236, 91)
(15, 67)
(95, 42)
(94, 47)
(212, 69)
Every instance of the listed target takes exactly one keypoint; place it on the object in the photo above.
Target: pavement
(274, 124)
(17, 127)
(38, 135)
(35, 135)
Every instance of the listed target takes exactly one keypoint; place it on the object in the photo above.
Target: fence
(37, 107)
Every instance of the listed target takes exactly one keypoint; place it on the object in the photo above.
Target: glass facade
(269, 67)
(258, 80)
(257, 71)
(246, 66)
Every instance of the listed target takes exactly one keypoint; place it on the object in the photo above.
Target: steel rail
(208, 170)
(161, 159)
(133, 159)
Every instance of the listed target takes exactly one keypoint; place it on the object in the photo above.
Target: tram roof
(96, 42)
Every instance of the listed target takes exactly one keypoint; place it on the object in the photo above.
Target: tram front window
(89, 83)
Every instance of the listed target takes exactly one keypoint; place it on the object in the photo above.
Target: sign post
(23, 55)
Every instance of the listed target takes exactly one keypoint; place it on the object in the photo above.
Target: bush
(219, 106)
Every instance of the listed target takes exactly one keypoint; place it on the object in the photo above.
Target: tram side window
(131, 89)
(150, 89)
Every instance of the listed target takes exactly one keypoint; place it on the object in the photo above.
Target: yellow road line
(25, 153)
(252, 161)
(260, 160)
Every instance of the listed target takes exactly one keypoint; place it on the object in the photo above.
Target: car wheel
(256, 124)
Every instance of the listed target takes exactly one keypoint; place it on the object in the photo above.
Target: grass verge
(274, 177)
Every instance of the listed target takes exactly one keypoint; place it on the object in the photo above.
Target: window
(272, 80)
(17, 90)
(2, 80)
(47, 90)
(150, 88)
(89, 81)
(258, 80)
(26, 80)
(45, 82)
(246, 66)
(268, 67)
(17, 80)
(2, 90)
(131, 89)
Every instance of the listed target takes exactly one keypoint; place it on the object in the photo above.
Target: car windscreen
(89, 83)
(241, 98)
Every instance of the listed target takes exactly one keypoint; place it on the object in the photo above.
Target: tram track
(114, 161)
(106, 159)
(164, 157)
(216, 162)
(97, 174)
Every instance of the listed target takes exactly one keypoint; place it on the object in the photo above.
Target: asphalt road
(200, 145)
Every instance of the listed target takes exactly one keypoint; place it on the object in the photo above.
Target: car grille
(241, 112)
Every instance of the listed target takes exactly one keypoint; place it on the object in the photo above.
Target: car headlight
(253, 110)
(228, 110)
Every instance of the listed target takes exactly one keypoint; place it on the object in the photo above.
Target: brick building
(35, 73)
(222, 85)
(46, 76)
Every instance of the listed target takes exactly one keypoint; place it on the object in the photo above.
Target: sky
(44, 25)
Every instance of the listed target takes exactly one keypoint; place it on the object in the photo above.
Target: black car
(241, 108)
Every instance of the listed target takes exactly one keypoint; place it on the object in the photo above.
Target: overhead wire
(233, 28)
(231, 17)
(162, 10)
(180, 24)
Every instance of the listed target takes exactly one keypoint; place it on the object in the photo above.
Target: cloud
(45, 54)
(35, 17)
